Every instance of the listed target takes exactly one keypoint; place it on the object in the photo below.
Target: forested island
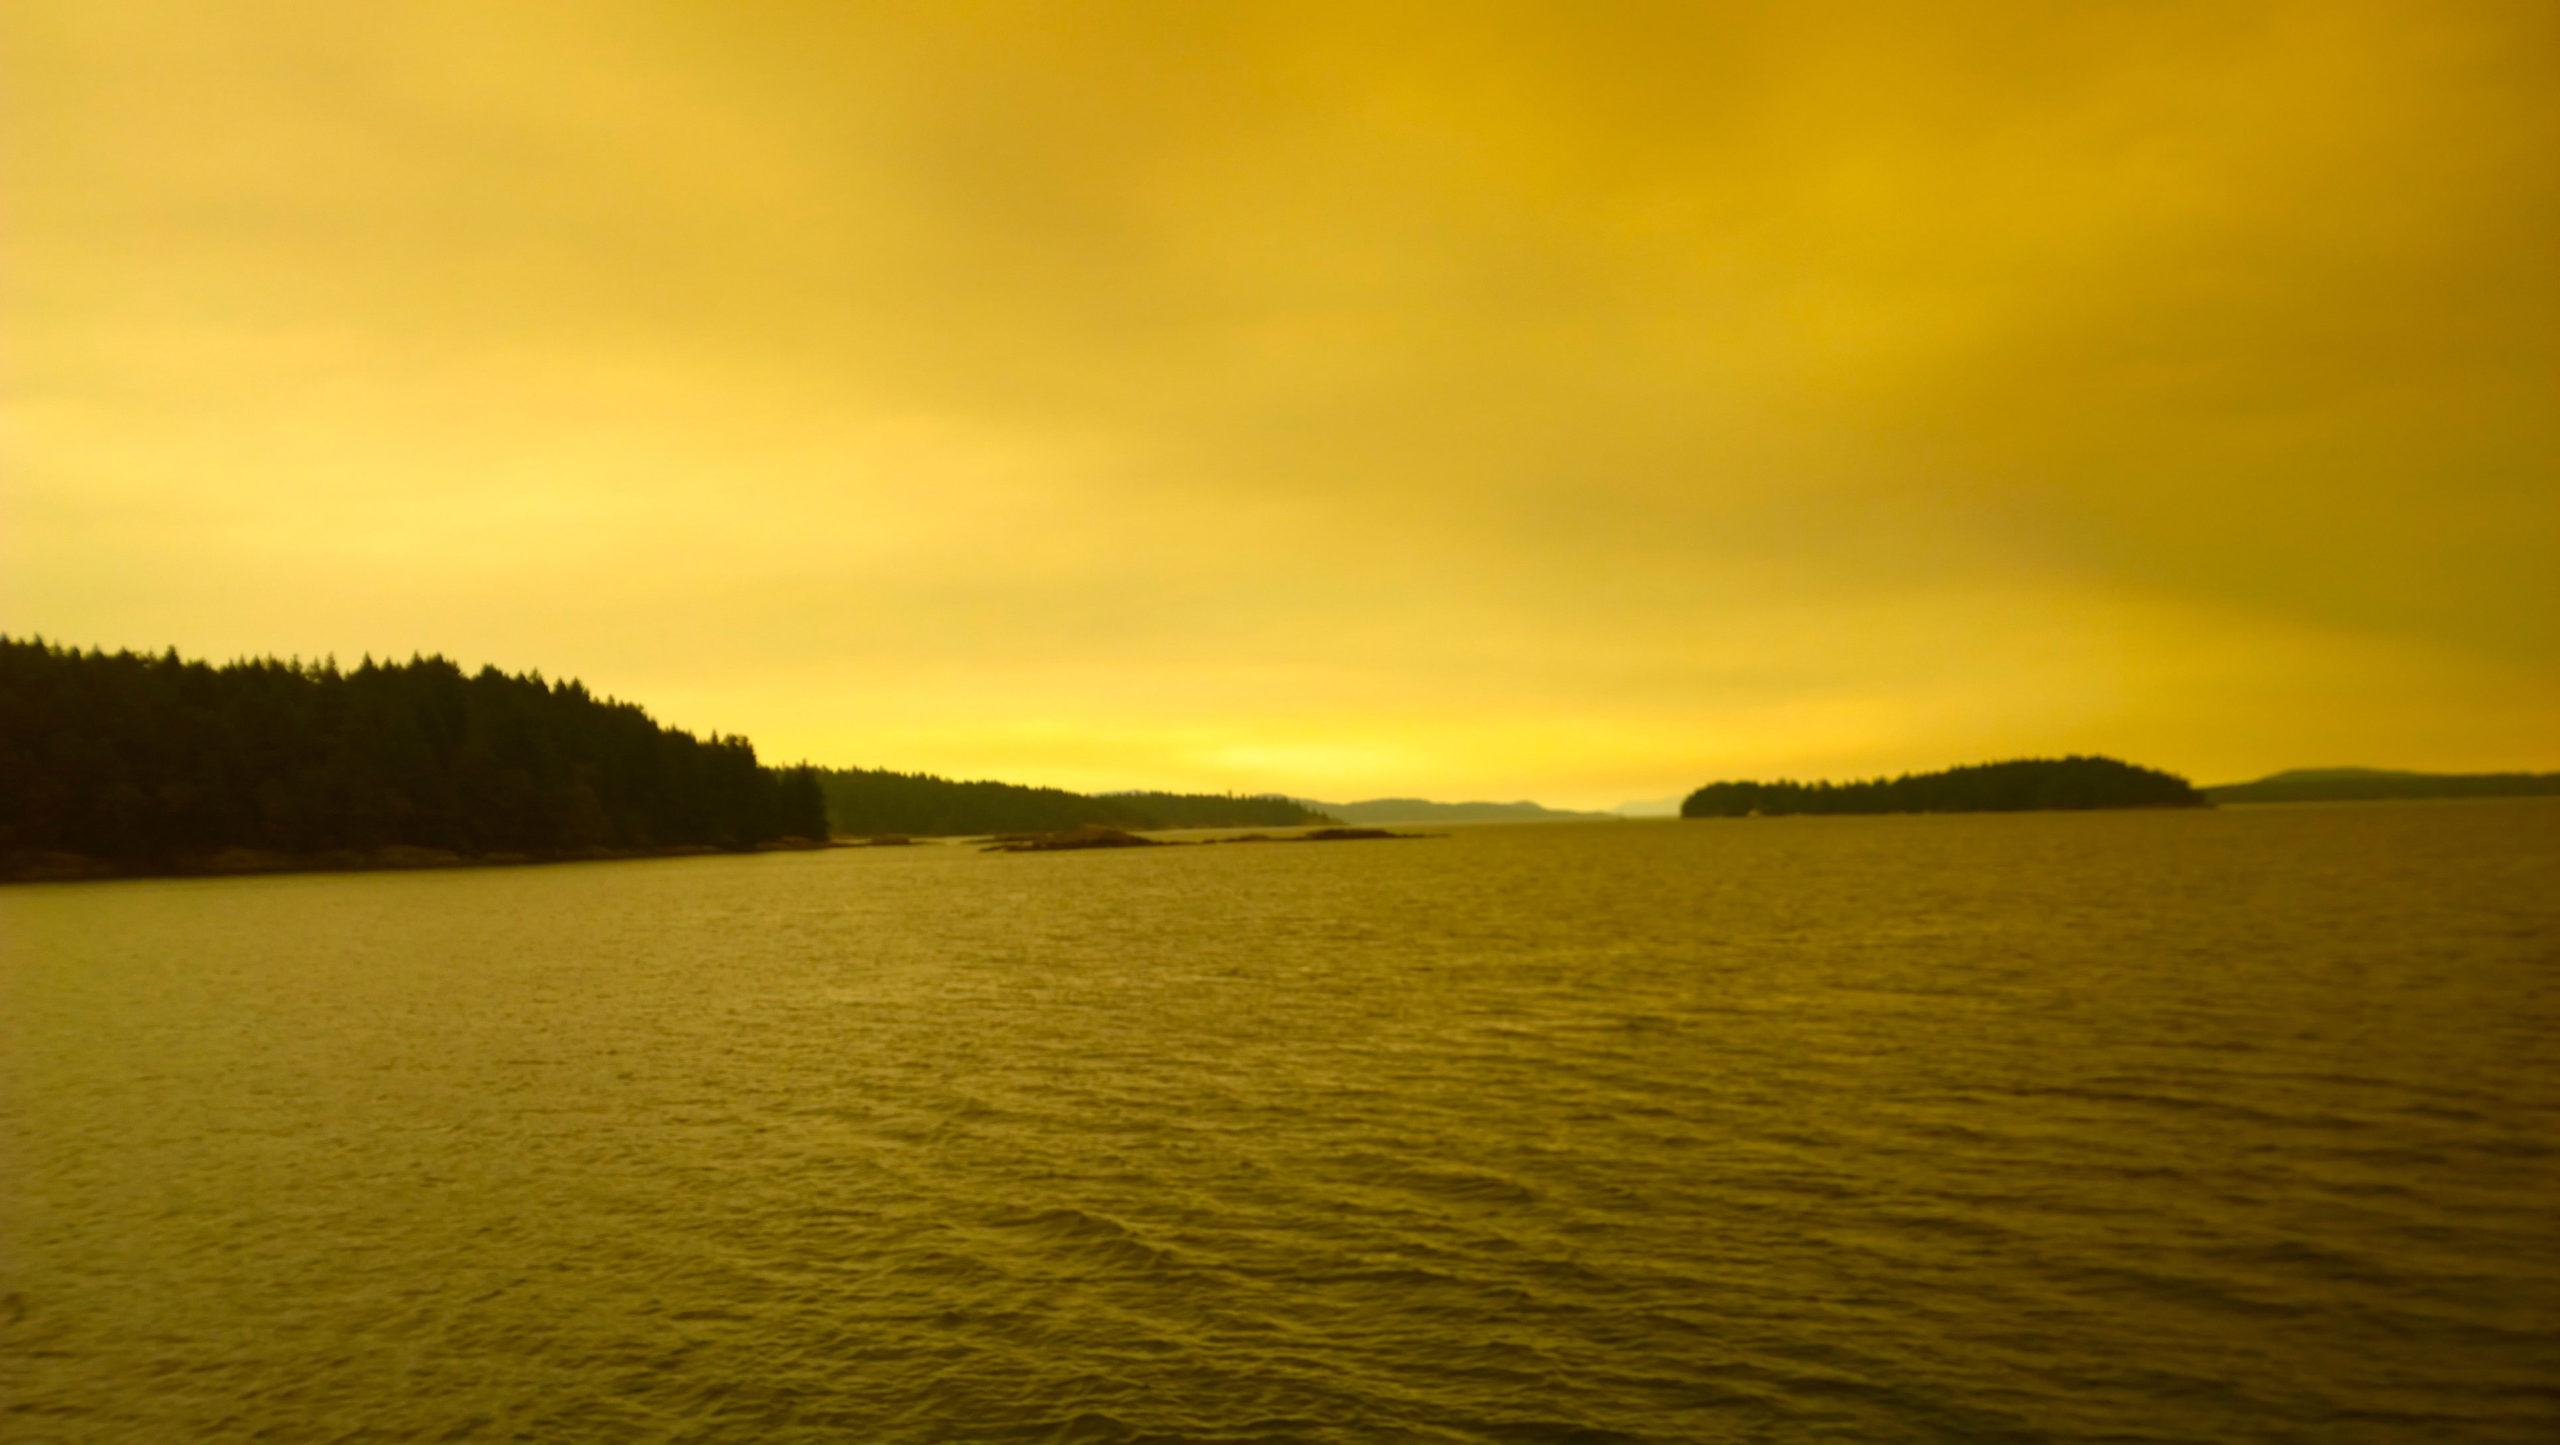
(2021, 785)
(875, 801)
(2342, 785)
(130, 763)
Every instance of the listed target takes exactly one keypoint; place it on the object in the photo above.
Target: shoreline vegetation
(871, 802)
(2017, 786)
(125, 764)
(134, 765)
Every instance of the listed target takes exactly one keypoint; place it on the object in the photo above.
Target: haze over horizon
(1575, 403)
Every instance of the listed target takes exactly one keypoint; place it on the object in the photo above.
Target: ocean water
(2230, 1126)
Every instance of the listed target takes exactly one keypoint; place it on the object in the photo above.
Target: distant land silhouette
(1093, 836)
(2021, 785)
(875, 801)
(1649, 808)
(1418, 810)
(120, 763)
(2337, 785)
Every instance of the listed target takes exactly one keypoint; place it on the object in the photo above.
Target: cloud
(1157, 394)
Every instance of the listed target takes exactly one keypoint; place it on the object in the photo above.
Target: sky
(1575, 402)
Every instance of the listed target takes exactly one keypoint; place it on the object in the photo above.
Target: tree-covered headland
(2022, 785)
(139, 763)
(878, 801)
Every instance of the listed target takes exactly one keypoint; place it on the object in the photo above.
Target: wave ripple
(2229, 1126)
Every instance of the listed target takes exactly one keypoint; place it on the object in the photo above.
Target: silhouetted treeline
(2025, 785)
(874, 801)
(2336, 785)
(142, 760)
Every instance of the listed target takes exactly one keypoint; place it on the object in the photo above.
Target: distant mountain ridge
(2343, 785)
(1422, 810)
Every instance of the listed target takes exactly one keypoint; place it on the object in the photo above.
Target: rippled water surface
(2222, 1126)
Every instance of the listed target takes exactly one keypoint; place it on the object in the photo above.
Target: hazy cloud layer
(1568, 401)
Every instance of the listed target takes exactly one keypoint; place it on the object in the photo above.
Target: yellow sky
(1572, 401)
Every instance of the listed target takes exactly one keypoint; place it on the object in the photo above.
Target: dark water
(2230, 1126)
